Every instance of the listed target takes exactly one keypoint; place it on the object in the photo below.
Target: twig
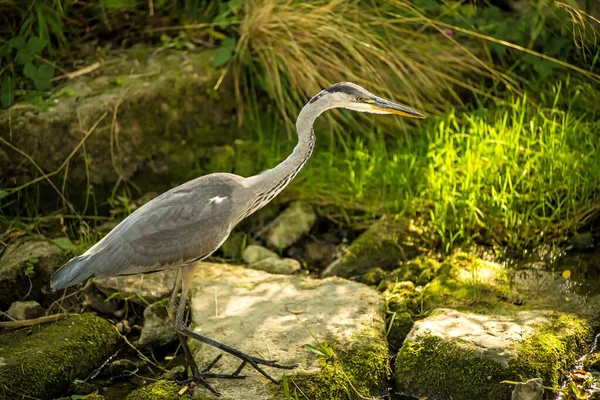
(10, 325)
(75, 74)
(139, 352)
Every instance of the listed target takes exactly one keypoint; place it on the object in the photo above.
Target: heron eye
(360, 99)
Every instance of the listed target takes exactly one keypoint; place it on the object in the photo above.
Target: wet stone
(533, 389)
(21, 310)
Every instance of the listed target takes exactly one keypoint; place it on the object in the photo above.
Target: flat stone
(41, 362)
(151, 287)
(276, 265)
(21, 310)
(26, 264)
(385, 244)
(293, 223)
(158, 329)
(248, 309)
(462, 355)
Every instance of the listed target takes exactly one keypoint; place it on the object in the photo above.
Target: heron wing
(183, 225)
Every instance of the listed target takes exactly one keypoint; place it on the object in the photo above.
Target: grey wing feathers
(182, 225)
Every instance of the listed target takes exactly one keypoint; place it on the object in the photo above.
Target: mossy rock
(161, 390)
(156, 125)
(357, 372)
(454, 355)
(25, 267)
(401, 326)
(385, 244)
(43, 364)
(466, 280)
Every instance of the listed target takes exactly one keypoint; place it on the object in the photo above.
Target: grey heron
(188, 223)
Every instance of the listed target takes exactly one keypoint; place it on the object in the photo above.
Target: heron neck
(269, 183)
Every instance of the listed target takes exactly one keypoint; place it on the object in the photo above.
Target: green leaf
(42, 84)
(23, 57)
(7, 83)
(29, 70)
(3, 194)
(17, 42)
(64, 243)
(222, 56)
(5, 50)
(45, 72)
(35, 45)
(228, 43)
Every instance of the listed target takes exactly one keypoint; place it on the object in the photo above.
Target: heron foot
(202, 376)
(255, 362)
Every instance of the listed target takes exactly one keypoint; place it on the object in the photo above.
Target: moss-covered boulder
(461, 355)
(276, 317)
(42, 362)
(26, 267)
(156, 112)
(466, 280)
(161, 390)
(385, 244)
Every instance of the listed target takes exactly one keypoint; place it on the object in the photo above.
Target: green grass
(513, 174)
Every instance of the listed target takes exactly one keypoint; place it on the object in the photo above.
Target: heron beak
(393, 108)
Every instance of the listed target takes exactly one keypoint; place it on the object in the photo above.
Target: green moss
(444, 369)
(552, 350)
(44, 363)
(401, 326)
(358, 372)
(161, 390)
(465, 280)
(592, 362)
(454, 369)
(373, 276)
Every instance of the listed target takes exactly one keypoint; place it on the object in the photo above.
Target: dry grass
(293, 50)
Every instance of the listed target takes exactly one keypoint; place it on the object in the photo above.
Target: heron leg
(184, 330)
(197, 375)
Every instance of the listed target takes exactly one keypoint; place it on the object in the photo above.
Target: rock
(255, 253)
(26, 267)
(246, 309)
(533, 389)
(263, 259)
(81, 387)
(158, 329)
(161, 390)
(234, 245)
(385, 244)
(460, 355)
(581, 241)
(121, 368)
(151, 287)
(592, 362)
(165, 117)
(466, 280)
(21, 310)
(99, 302)
(43, 364)
(293, 223)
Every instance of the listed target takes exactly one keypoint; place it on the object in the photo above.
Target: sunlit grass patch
(515, 174)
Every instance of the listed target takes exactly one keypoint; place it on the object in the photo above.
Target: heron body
(189, 222)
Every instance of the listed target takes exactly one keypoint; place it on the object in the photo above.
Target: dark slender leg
(197, 376)
(181, 327)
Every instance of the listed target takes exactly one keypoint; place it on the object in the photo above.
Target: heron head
(353, 97)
